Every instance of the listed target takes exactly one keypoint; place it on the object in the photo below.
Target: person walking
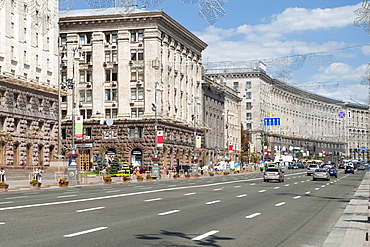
(2, 175)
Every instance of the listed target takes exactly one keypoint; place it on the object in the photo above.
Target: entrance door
(136, 158)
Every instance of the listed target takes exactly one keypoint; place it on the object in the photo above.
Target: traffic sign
(341, 114)
(271, 121)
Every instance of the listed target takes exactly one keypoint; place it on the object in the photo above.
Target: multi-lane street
(237, 210)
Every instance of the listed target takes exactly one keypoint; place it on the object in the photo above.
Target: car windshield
(272, 170)
(313, 166)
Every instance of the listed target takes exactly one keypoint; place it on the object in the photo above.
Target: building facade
(28, 83)
(310, 126)
(141, 73)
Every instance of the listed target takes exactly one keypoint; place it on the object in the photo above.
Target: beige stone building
(309, 124)
(28, 83)
(129, 67)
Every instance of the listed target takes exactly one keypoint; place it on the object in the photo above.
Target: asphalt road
(212, 211)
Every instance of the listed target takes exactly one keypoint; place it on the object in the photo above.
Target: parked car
(333, 172)
(320, 174)
(273, 174)
(293, 166)
(145, 169)
(311, 169)
(301, 166)
(349, 169)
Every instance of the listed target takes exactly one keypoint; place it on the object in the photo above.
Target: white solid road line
(88, 209)
(279, 204)
(5, 202)
(296, 197)
(169, 212)
(154, 199)
(205, 235)
(252, 215)
(2, 223)
(262, 191)
(84, 232)
(242, 195)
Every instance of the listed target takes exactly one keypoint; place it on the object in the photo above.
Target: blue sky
(311, 30)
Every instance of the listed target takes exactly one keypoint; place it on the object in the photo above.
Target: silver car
(311, 169)
(273, 174)
(321, 174)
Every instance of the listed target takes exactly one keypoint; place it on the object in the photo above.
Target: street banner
(160, 138)
(79, 133)
(114, 134)
(106, 134)
(251, 149)
(230, 146)
(198, 142)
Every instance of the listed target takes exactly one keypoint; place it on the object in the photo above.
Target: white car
(273, 174)
(311, 169)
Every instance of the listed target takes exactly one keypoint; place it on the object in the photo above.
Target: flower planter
(108, 181)
(4, 187)
(140, 179)
(187, 176)
(65, 184)
(211, 175)
(36, 186)
(126, 179)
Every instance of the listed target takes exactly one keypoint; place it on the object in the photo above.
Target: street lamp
(194, 117)
(71, 84)
(155, 169)
(228, 113)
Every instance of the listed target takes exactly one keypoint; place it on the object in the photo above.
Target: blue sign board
(341, 114)
(271, 121)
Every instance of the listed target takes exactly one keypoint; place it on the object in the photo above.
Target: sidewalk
(352, 228)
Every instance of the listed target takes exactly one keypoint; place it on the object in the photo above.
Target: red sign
(231, 146)
(159, 138)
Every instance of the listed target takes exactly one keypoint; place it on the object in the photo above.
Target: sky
(330, 53)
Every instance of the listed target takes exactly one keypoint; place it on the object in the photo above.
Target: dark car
(341, 166)
(143, 170)
(184, 168)
(349, 169)
(333, 172)
(301, 166)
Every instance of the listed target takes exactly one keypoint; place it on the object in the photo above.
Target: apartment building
(28, 83)
(310, 125)
(134, 75)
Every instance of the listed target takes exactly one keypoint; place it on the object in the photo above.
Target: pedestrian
(137, 172)
(2, 175)
(40, 172)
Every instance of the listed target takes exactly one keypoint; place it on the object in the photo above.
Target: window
(111, 75)
(63, 39)
(140, 132)
(248, 116)
(85, 76)
(137, 35)
(137, 93)
(248, 105)
(236, 84)
(39, 105)
(111, 113)
(2, 97)
(114, 56)
(86, 95)
(88, 132)
(64, 98)
(85, 38)
(111, 94)
(86, 113)
(137, 55)
(248, 84)
(16, 124)
(64, 114)
(111, 37)
(248, 95)
(137, 112)
(137, 74)
(132, 133)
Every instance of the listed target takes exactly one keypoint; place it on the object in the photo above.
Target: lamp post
(155, 169)
(194, 117)
(228, 113)
(71, 84)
